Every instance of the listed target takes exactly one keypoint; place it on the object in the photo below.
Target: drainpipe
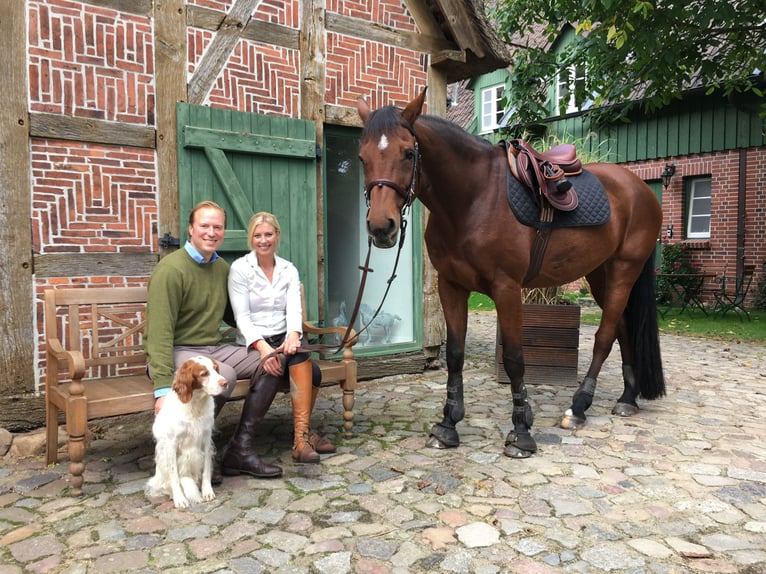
(741, 212)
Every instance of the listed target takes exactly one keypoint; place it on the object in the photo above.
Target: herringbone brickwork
(383, 74)
(258, 78)
(90, 198)
(391, 13)
(90, 62)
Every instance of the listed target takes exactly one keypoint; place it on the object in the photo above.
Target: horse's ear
(363, 108)
(413, 109)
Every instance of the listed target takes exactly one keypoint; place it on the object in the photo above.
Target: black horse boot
(301, 395)
(240, 457)
(318, 442)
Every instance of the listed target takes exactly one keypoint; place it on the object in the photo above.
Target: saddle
(545, 173)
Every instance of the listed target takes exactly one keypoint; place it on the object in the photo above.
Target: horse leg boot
(317, 442)
(302, 399)
(240, 457)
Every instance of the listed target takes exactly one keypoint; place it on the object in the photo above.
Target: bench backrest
(105, 324)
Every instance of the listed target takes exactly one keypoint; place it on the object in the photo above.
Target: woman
(265, 295)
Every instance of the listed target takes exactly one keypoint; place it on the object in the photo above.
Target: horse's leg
(612, 303)
(454, 300)
(519, 442)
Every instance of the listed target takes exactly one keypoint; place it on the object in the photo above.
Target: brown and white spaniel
(183, 432)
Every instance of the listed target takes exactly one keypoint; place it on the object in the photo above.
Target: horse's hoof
(571, 421)
(434, 442)
(519, 445)
(624, 410)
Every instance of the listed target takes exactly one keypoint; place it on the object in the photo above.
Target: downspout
(741, 212)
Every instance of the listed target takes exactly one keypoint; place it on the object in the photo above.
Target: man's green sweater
(186, 305)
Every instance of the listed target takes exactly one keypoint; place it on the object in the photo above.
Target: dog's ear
(183, 383)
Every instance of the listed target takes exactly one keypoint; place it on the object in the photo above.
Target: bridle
(408, 195)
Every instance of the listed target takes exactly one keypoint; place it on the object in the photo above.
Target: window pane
(700, 204)
(347, 247)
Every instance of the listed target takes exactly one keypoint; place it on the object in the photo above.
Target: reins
(408, 195)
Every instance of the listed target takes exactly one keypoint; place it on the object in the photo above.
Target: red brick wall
(720, 250)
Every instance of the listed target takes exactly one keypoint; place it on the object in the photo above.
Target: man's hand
(158, 402)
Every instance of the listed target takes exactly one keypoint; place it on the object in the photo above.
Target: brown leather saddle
(545, 173)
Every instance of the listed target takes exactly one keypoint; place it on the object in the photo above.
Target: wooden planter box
(550, 339)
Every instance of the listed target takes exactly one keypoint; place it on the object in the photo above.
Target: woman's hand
(271, 364)
(291, 344)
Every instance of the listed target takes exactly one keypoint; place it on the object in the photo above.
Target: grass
(728, 328)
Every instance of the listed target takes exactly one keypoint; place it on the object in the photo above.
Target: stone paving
(680, 488)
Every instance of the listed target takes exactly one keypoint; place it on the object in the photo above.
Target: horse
(476, 243)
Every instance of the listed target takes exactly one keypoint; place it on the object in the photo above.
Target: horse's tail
(641, 316)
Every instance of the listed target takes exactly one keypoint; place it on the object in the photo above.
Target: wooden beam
(121, 264)
(90, 130)
(220, 49)
(359, 28)
(462, 26)
(313, 58)
(170, 58)
(17, 339)
(343, 116)
(138, 7)
(256, 30)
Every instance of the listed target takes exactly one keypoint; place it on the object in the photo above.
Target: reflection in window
(346, 241)
(699, 203)
(570, 80)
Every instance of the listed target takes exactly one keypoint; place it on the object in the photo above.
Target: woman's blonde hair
(256, 220)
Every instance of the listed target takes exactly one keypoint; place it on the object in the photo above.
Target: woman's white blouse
(262, 308)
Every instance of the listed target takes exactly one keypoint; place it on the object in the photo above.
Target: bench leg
(51, 433)
(77, 426)
(349, 387)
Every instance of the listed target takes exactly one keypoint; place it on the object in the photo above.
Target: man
(188, 298)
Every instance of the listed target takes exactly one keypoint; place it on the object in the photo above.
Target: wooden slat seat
(96, 366)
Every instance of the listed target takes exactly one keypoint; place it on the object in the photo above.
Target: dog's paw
(180, 502)
(208, 495)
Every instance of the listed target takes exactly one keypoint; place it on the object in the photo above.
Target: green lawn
(728, 328)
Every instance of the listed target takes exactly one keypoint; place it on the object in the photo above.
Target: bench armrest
(309, 327)
(75, 360)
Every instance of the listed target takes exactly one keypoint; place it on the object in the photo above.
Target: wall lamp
(667, 174)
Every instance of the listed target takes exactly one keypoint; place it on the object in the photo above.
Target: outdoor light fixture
(667, 174)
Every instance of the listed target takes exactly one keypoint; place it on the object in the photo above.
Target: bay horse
(475, 243)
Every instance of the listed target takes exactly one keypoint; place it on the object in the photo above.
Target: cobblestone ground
(679, 488)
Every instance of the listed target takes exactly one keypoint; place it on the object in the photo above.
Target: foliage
(676, 260)
(639, 53)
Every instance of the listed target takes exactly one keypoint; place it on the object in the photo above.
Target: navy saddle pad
(592, 209)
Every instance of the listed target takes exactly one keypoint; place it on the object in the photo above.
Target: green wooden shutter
(248, 163)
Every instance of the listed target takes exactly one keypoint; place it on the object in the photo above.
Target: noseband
(407, 194)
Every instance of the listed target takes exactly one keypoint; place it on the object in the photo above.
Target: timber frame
(454, 34)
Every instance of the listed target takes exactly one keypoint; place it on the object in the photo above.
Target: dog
(183, 431)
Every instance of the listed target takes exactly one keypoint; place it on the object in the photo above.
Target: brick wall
(718, 254)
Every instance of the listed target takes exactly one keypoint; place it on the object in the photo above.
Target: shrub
(676, 260)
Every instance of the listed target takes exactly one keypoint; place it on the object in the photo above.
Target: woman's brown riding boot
(318, 442)
(240, 458)
(300, 393)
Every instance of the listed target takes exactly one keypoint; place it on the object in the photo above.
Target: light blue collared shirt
(196, 254)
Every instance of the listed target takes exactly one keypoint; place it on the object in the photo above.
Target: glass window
(699, 202)
(346, 249)
(569, 79)
(491, 108)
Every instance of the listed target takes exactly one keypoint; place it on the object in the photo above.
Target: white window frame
(566, 80)
(699, 207)
(491, 108)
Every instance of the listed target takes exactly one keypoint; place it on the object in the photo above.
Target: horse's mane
(388, 118)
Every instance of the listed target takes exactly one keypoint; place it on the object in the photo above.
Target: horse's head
(389, 155)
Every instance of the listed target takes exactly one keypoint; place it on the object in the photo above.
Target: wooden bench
(96, 367)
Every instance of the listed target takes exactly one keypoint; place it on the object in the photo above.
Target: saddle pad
(593, 207)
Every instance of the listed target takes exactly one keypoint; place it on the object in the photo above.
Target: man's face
(207, 231)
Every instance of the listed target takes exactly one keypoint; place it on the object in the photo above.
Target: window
(491, 108)
(397, 326)
(698, 214)
(569, 80)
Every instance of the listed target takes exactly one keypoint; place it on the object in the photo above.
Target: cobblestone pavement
(680, 488)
